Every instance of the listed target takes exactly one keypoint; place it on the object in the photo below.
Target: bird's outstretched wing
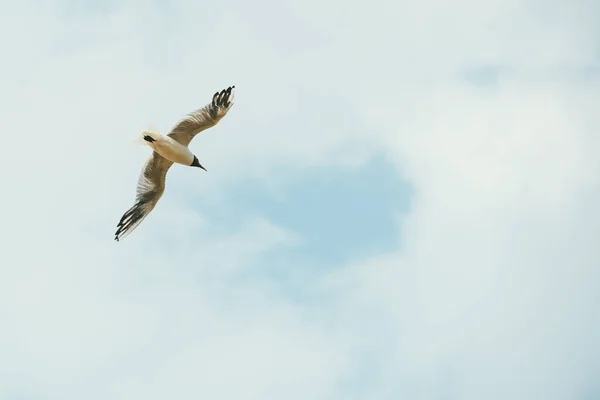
(203, 118)
(150, 187)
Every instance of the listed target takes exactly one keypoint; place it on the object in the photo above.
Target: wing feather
(203, 118)
(150, 187)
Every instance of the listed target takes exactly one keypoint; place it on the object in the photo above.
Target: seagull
(168, 149)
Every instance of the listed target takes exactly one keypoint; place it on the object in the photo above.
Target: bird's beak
(196, 163)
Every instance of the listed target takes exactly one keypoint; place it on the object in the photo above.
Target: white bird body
(168, 149)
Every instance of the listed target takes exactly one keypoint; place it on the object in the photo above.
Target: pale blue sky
(402, 202)
(342, 214)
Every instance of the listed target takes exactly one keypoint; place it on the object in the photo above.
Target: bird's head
(196, 163)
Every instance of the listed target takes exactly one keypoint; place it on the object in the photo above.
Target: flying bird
(168, 149)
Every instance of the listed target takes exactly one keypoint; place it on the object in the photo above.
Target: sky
(401, 204)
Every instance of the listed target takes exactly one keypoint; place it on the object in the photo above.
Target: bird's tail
(147, 136)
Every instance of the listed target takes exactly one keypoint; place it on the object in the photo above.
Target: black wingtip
(222, 98)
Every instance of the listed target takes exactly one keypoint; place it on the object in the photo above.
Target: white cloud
(493, 283)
